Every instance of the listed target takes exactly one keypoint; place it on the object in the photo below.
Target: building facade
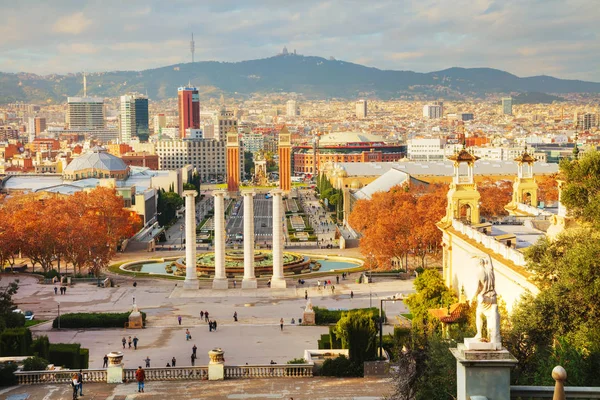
(433, 111)
(224, 122)
(291, 109)
(361, 109)
(189, 109)
(85, 113)
(134, 118)
(507, 105)
(206, 155)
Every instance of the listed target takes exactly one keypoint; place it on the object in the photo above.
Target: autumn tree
(547, 189)
(494, 196)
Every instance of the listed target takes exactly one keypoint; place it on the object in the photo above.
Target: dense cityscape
(361, 232)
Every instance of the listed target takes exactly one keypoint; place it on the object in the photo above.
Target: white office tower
(85, 112)
(432, 111)
(361, 109)
(291, 109)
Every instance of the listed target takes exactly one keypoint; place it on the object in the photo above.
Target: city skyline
(526, 39)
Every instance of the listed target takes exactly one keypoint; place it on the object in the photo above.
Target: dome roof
(98, 159)
(355, 184)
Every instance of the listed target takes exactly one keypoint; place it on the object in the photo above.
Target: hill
(315, 77)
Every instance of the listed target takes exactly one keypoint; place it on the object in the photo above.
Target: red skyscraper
(189, 109)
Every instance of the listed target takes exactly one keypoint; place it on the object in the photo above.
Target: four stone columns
(249, 280)
(278, 280)
(191, 279)
(220, 281)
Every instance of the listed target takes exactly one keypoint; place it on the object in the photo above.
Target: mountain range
(314, 77)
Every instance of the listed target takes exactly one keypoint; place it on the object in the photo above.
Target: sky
(560, 38)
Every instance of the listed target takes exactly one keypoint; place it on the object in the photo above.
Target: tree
(431, 292)
(358, 333)
(547, 188)
(168, 204)
(494, 196)
(581, 190)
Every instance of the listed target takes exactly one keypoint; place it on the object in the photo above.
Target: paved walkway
(285, 389)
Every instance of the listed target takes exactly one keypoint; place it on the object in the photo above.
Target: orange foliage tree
(400, 222)
(84, 229)
(547, 188)
(494, 196)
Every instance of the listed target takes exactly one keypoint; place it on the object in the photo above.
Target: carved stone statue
(487, 302)
(308, 306)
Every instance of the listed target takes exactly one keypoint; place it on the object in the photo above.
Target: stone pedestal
(135, 319)
(249, 280)
(220, 279)
(191, 278)
(216, 366)
(308, 318)
(278, 280)
(483, 372)
(114, 372)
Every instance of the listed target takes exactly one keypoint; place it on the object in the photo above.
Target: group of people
(77, 384)
(130, 341)
(63, 290)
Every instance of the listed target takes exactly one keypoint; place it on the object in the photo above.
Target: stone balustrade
(58, 376)
(170, 374)
(490, 243)
(529, 209)
(269, 371)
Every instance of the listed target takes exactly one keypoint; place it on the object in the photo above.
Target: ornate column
(278, 280)
(220, 281)
(249, 281)
(191, 279)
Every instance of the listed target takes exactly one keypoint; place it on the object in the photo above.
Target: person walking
(206, 315)
(55, 290)
(235, 316)
(201, 314)
(306, 295)
(173, 361)
(194, 350)
(187, 334)
(179, 319)
(234, 284)
(129, 341)
(147, 360)
(215, 325)
(351, 294)
(193, 359)
(281, 323)
(123, 341)
(105, 364)
(140, 377)
(135, 342)
(332, 289)
(80, 382)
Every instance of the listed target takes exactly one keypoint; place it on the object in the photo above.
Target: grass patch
(34, 322)
(407, 316)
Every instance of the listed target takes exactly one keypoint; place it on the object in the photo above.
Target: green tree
(581, 191)
(358, 333)
(35, 364)
(248, 162)
(168, 204)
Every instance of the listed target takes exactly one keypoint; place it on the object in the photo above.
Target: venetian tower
(233, 161)
(525, 187)
(285, 161)
(463, 197)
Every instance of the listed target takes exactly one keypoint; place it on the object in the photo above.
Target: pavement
(284, 388)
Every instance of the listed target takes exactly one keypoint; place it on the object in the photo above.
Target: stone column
(191, 278)
(249, 281)
(115, 370)
(220, 281)
(278, 280)
(216, 365)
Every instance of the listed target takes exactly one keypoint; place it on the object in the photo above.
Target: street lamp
(381, 322)
(59, 315)
(181, 230)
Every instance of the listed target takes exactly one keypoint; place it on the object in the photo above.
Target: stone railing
(170, 374)
(269, 371)
(58, 376)
(529, 209)
(547, 392)
(490, 243)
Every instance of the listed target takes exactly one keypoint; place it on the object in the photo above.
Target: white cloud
(73, 24)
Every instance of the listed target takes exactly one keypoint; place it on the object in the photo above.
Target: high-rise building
(432, 111)
(85, 112)
(586, 121)
(233, 161)
(40, 125)
(134, 118)
(361, 109)
(507, 105)
(291, 109)
(160, 121)
(285, 160)
(225, 121)
(189, 109)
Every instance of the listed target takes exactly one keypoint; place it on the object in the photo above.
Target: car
(29, 315)
(18, 311)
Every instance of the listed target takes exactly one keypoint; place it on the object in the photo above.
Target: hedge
(69, 355)
(324, 316)
(15, 342)
(324, 343)
(94, 320)
(7, 374)
(334, 341)
(340, 366)
(41, 347)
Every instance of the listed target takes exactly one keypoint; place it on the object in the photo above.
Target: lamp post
(59, 315)
(381, 322)
(181, 235)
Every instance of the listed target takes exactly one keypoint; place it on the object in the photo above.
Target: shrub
(324, 343)
(66, 355)
(15, 342)
(297, 361)
(41, 347)
(334, 341)
(13, 320)
(51, 274)
(358, 333)
(94, 320)
(341, 366)
(84, 358)
(7, 374)
(35, 364)
(324, 316)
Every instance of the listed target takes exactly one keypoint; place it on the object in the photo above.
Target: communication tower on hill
(192, 46)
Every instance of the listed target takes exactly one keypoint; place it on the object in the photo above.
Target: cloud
(73, 24)
(522, 37)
